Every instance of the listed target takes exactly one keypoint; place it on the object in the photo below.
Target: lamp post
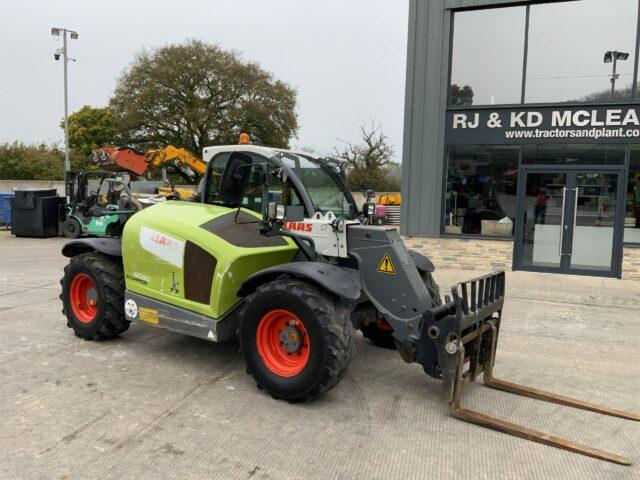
(56, 32)
(612, 56)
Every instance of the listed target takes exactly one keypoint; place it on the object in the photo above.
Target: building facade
(522, 135)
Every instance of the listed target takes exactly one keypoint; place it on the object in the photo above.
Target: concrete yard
(154, 404)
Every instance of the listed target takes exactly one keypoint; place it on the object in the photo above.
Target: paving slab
(153, 404)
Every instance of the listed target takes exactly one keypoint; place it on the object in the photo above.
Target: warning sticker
(148, 315)
(385, 265)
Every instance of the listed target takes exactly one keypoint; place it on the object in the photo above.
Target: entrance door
(567, 222)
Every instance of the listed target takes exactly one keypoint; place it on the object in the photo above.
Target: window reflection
(481, 189)
(488, 51)
(567, 46)
(574, 154)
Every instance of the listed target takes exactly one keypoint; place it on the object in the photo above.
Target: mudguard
(342, 282)
(422, 262)
(108, 246)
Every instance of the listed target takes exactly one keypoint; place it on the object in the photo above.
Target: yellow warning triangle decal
(385, 265)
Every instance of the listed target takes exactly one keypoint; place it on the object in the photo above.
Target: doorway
(568, 221)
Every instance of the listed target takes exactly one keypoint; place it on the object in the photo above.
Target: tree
(91, 128)
(196, 94)
(623, 93)
(460, 96)
(369, 163)
(31, 162)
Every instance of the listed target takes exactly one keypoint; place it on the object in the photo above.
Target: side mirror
(277, 212)
(235, 178)
(369, 209)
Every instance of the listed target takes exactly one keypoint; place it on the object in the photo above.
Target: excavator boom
(140, 163)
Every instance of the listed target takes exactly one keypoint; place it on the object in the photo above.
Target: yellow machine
(141, 163)
(170, 155)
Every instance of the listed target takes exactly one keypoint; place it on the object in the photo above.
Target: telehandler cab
(273, 251)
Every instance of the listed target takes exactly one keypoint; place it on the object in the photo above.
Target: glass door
(567, 222)
(594, 219)
(543, 219)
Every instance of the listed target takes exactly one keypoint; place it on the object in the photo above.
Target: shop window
(574, 154)
(481, 189)
(488, 52)
(632, 211)
(567, 46)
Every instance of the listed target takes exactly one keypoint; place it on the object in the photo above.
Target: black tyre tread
(337, 330)
(110, 274)
(77, 226)
(433, 288)
(379, 337)
(384, 338)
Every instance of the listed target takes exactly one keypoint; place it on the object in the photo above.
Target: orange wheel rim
(283, 343)
(384, 325)
(83, 297)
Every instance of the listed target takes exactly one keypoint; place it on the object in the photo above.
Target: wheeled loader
(275, 253)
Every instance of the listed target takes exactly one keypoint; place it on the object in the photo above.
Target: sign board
(582, 124)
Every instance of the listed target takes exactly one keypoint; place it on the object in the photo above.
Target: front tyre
(93, 296)
(71, 228)
(296, 339)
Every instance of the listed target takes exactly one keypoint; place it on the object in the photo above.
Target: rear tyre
(93, 296)
(296, 339)
(71, 228)
(381, 333)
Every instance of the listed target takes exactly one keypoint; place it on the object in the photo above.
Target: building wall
(425, 111)
(487, 255)
(424, 145)
(631, 264)
(465, 253)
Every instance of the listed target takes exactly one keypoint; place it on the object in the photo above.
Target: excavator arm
(171, 155)
(140, 163)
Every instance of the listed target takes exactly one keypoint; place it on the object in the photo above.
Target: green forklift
(273, 252)
(91, 191)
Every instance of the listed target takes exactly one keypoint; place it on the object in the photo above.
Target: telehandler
(274, 251)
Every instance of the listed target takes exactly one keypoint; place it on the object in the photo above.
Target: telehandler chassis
(293, 285)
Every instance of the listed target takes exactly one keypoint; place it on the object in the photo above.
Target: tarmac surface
(153, 404)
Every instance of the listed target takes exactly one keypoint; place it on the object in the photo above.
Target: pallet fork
(478, 303)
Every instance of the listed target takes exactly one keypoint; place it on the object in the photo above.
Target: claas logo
(298, 226)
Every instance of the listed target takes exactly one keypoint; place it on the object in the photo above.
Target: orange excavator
(178, 160)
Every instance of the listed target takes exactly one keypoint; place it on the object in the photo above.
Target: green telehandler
(274, 252)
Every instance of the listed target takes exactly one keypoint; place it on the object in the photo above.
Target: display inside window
(488, 53)
(632, 211)
(574, 154)
(481, 190)
(581, 51)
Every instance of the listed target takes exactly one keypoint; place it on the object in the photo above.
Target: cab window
(279, 191)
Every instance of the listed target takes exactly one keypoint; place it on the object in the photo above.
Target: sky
(347, 59)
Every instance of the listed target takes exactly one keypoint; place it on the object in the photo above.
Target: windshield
(324, 190)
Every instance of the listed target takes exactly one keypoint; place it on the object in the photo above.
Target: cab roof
(209, 152)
